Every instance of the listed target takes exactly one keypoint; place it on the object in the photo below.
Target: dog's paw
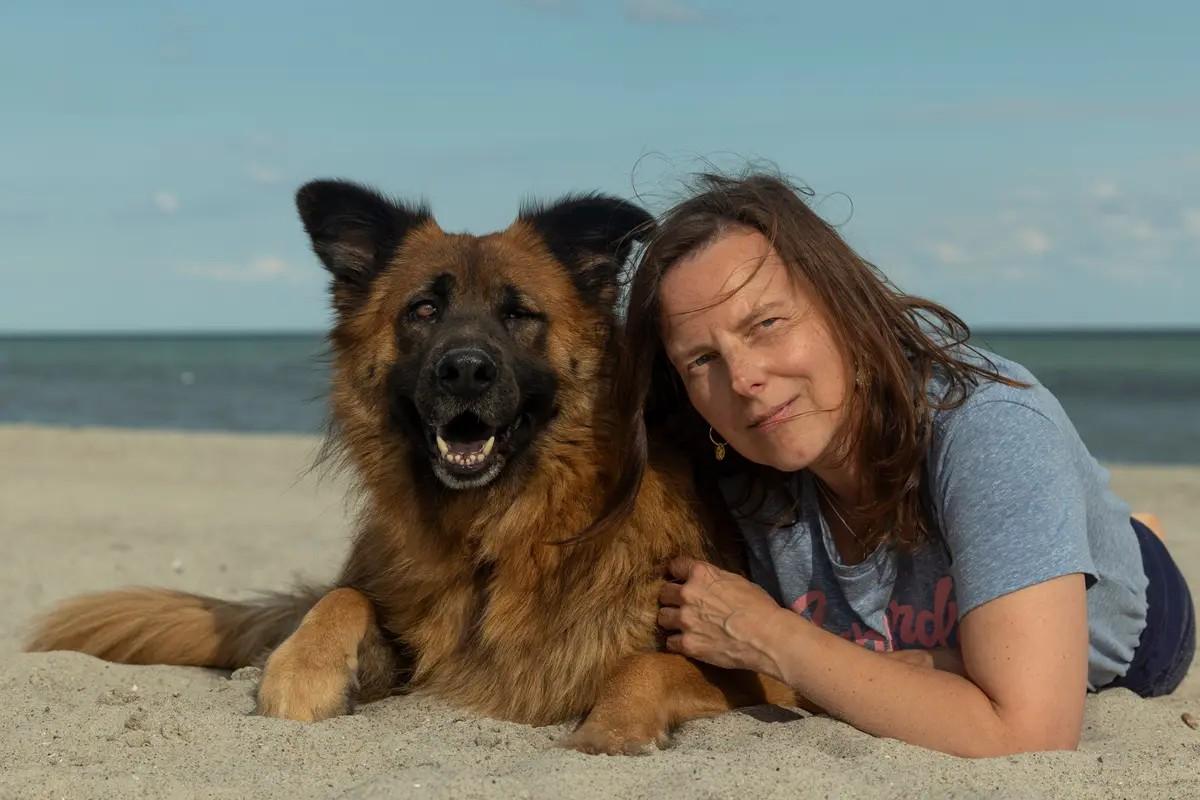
(304, 683)
(632, 739)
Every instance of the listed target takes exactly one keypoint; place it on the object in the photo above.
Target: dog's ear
(591, 235)
(354, 231)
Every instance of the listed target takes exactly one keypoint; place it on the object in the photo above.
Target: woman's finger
(671, 594)
(680, 567)
(669, 618)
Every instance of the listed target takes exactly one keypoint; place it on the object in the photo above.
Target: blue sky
(1025, 163)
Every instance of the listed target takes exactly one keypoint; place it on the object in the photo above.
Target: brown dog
(470, 396)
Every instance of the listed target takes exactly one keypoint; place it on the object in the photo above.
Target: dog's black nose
(466, 372)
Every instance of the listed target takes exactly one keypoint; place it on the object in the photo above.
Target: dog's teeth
(465, 459)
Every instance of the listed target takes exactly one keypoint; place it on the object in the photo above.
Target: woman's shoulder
(993, 402)
(996, 421)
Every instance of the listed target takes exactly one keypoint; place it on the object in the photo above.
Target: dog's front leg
(651, 693)
(335, 657)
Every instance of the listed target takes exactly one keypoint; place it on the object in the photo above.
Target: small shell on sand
(1189, 720)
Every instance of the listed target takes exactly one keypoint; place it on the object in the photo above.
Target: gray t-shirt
(1017, 500)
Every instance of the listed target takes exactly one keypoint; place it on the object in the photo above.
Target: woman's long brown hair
(893, 342)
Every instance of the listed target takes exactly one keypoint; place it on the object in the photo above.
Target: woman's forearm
(895, 697)
(947, 659)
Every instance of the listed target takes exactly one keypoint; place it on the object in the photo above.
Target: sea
(1134, 396)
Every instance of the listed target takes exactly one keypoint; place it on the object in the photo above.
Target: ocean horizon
(1133, 394)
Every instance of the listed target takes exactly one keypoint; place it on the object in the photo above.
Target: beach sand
(224, 514)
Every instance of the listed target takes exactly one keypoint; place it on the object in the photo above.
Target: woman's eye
(423, 311)
(701, 361)
(767, 323)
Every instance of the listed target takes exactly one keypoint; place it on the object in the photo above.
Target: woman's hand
(717, 617)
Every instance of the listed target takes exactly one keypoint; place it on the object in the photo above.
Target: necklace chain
(833, 507)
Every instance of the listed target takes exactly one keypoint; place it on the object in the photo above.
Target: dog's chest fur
(513, 627)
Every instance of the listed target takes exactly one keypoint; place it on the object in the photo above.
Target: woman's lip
(774, 416)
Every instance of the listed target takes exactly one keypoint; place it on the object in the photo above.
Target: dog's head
(457, 350)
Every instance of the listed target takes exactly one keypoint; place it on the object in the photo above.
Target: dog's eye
(520, 313)
(423, 311)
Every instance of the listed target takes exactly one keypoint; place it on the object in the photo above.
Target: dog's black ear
(354, 231)
(592, 235)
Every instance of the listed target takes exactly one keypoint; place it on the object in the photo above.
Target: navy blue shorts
(1167, 644)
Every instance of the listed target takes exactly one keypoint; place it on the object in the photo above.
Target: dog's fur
(457, 583)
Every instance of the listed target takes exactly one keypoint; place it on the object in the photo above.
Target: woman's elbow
(1023, 740)
(1050, 740)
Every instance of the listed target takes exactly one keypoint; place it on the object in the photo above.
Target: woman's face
(761, 365)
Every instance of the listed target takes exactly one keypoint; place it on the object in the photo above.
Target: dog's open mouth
(467, 445)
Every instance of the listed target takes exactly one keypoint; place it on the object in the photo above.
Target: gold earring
(718, 447)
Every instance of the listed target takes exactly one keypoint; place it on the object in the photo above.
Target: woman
(935, 555)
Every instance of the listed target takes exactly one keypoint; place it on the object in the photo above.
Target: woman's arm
(946, 659)
(1025, 654)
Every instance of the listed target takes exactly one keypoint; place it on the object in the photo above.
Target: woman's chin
(783, 460)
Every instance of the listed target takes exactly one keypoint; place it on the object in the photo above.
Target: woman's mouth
(774, 416)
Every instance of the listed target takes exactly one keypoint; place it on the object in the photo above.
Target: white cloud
(1044, 109)
(948, 253)
(553, 6)
(260, 173)
(1132, 227)
(1014, 273)
(1029, 194)
(264, 268)
(1111, 229)
(661, 12)
(1191, 221)
(1033, 241)
(166, 202)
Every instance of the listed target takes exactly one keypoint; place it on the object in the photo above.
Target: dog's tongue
(466, 448)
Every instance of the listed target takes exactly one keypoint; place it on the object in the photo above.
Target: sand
(90, 509)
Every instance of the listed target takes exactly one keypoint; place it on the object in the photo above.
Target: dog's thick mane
(482, 565)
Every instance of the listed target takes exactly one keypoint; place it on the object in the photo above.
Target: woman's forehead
(724, 279)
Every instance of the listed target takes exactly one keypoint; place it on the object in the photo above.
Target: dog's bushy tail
(161, 626)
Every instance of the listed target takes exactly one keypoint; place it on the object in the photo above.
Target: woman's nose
(746, 377)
